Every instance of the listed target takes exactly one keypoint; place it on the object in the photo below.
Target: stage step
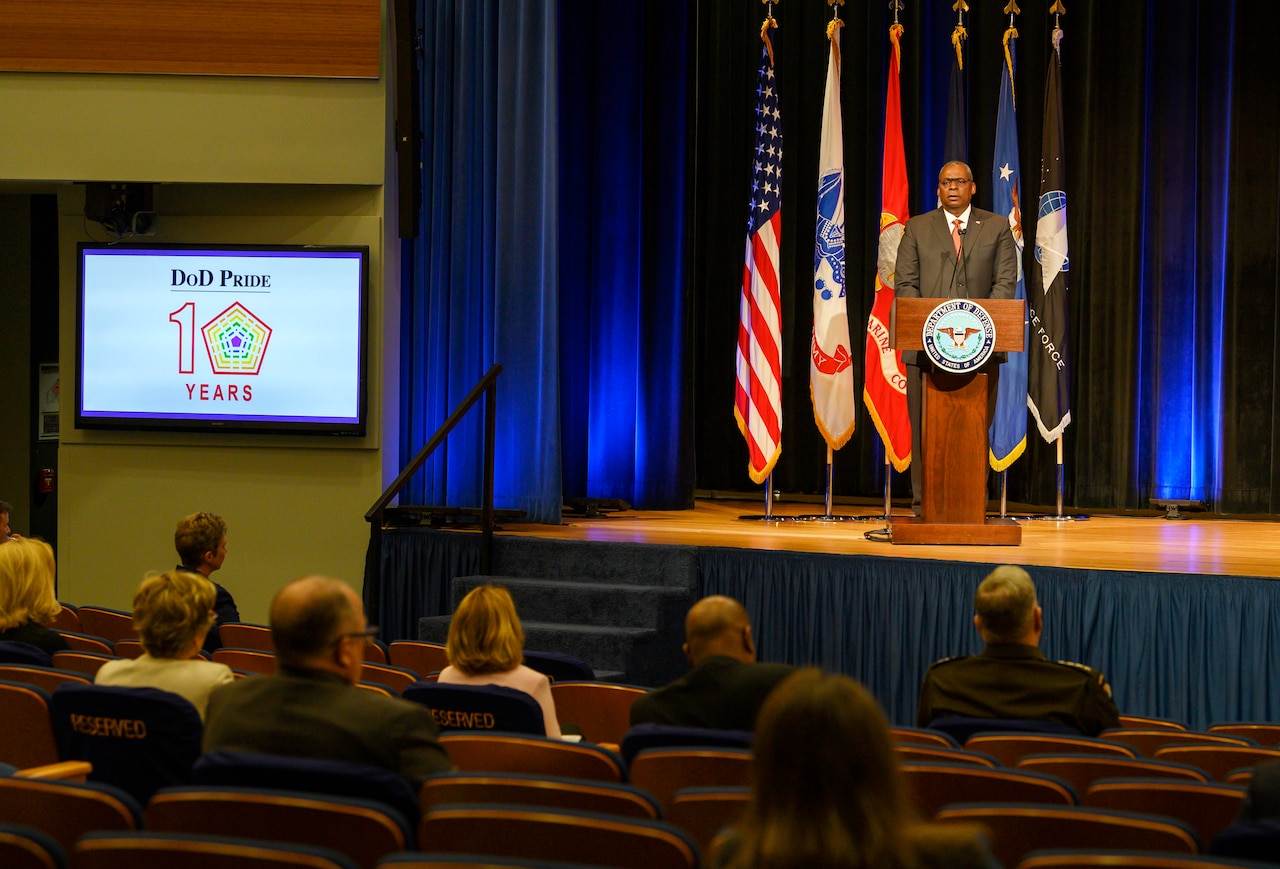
(631, 655)
(618, 606)
(594, 562)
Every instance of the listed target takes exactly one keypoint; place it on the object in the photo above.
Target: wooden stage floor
(1228, 547)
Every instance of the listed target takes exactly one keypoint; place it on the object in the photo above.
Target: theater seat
(26, 725)
(67, 810)
(572, 837)
(250, 769)
(479, 707)
(364, 830)
(169, 850)
(138, 739)
(24, 847)
(483, 751)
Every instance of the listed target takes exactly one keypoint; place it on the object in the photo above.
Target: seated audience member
(201, 541)
(726, 686)
(1010, 678)
(826, 790)
(485, 646)
(172, 613)
(27, 602)
(311, 707)
(6, 534)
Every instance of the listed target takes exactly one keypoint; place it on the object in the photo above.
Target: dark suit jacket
(302, 713)
(721, 692)
(224, 605)
(927, 266)
(46, 639)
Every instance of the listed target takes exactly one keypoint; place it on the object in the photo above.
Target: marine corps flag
(885, 391)
(1049, 392)
(830, 362)
(1009, 425)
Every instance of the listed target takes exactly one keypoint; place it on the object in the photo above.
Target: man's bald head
(718, 625)
(308, 615)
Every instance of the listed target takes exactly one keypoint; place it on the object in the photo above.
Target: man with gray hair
(1010, 678)
(311, 707)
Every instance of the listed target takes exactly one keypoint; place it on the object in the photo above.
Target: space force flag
(1048, 388)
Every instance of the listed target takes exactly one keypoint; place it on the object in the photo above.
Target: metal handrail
(488, 387)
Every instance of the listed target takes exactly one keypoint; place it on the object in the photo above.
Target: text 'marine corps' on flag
(1049, 394)
(885, 391)
(830, 362)
(758, 394)
(1009, 425)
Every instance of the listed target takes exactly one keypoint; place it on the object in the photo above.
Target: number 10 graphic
(235, 340)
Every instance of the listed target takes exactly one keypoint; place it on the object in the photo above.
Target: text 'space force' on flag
(1049, 394)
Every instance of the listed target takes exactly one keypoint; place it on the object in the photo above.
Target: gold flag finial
(1011, 8)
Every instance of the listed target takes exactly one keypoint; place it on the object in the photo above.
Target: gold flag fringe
(1011, 33)
(764, 35)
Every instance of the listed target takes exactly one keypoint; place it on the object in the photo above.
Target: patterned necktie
(955, 235)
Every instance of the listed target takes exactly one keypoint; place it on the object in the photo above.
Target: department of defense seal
(959, 336)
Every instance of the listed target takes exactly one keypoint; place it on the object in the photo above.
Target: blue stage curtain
(481, 283)
(1197, 649)
(626, 407)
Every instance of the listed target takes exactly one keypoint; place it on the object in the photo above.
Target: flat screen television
(228, 338)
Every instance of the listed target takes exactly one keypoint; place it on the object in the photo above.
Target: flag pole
(831, 362)
(888, 478)
(758, 365)
(1048, 386)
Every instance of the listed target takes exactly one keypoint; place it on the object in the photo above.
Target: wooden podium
(953, 419)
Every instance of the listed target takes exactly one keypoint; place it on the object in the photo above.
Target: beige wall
(240, 160)
(294, 504)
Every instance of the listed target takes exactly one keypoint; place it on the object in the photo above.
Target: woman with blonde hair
(486, 647)
(172, 613)
(27, 601)
(827, 791)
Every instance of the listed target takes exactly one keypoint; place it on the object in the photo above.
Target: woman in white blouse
(172, 613)
(486, 647)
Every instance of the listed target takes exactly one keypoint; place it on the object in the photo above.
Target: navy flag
(956, 146)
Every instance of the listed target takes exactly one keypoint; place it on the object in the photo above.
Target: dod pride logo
(235, 341)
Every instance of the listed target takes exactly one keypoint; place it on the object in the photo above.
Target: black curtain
(1172, 127)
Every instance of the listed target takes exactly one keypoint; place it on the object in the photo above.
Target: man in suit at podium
(955, 251)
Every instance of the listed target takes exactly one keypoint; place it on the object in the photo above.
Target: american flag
(758, 396)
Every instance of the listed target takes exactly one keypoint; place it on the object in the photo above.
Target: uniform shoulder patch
(1078, 666)
(948, 660)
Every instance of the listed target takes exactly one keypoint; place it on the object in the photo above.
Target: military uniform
(1014, 680)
